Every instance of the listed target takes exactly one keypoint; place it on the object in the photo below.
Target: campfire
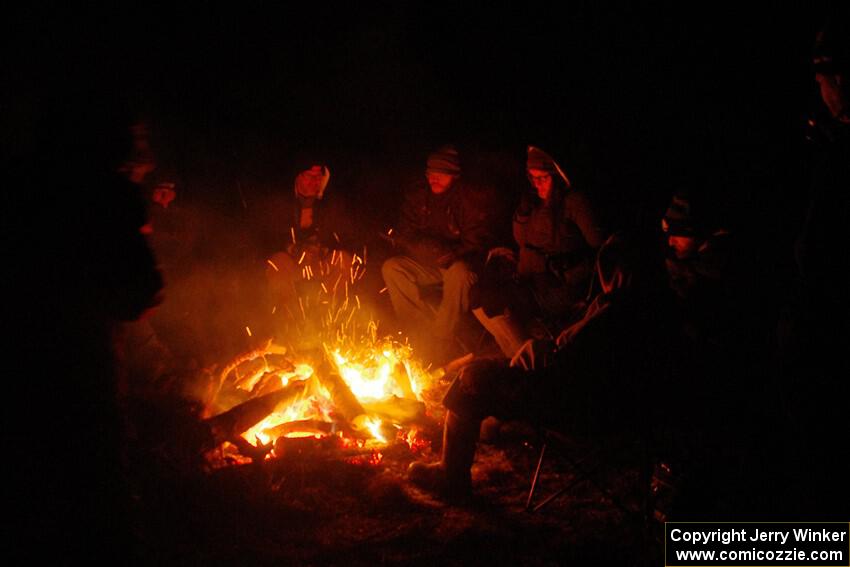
(354, 392)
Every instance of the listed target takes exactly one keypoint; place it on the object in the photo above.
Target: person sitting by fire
(699, 269)
(558, 233)
(601, 368)
(442, 235)
(305, 237)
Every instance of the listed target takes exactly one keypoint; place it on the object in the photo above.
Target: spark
(274, 309)
(301, 305)
(389, 232)
(336, 236)
(324, 288)
(248, 330)
(292, 231)
(301, 259)
(270, 263)
(358, 301)
(383, 289)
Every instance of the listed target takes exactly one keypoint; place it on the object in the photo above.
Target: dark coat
(459, 221)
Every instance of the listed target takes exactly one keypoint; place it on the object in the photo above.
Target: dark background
(634, 102)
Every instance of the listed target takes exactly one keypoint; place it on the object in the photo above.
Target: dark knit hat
(444, 160)
(831, 52)
(538, 159)
(679, 219)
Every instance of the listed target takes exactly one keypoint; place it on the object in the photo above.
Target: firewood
(313, 426)
(403, 380)
(244, 357)
(403, 411)
(269, 382)
(228, 425)
(344, 400)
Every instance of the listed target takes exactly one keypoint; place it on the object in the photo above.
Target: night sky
(634, 102)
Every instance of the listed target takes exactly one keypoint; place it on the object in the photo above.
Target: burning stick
(269, 382)
(228, 425)
(344, 401)
(312, 426)
(266, 348)
(402, 378)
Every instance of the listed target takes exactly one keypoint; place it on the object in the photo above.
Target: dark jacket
(567, 229)
(459, 221)
(280, 216)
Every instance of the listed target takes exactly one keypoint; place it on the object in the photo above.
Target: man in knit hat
(698, 257)
(442, 235)
(303, 229)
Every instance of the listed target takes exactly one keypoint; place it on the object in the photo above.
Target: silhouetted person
(93, 270)
(819, 387)
(601, 376)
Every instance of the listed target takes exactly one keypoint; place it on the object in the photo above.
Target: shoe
(433, 478)
(450, 478)
(490, 431)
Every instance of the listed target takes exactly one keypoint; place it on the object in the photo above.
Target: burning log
(404, 411)
(228, 425)
(403, 380)
(311, 426)
(266, 348)
(268, 383)
(345, 402)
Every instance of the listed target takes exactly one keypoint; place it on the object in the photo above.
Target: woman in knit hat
(558, 234)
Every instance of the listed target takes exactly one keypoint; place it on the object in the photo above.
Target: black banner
(825, 544)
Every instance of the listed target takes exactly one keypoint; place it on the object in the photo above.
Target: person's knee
(392, 268)
(460, 274)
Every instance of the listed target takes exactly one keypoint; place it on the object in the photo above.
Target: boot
(450, 477)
